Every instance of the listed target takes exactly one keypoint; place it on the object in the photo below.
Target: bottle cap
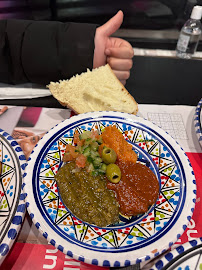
(196, 13)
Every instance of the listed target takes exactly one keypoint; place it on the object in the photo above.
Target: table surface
(153, 80)
(49, 117)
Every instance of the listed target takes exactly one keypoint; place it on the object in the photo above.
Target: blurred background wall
(147, 23)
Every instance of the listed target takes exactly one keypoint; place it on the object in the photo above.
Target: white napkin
(22, 91)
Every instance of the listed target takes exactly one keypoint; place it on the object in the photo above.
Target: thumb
(112, 25)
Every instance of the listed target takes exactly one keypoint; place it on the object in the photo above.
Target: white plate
(198, 121)
(186, 256)
(135, 240)
(12, 205)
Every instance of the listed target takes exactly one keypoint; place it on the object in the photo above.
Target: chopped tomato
(81, 161)
(77, 140)
(70, 153)
(94, 134)
(67, 157)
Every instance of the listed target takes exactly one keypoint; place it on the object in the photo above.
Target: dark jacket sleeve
(44, 51)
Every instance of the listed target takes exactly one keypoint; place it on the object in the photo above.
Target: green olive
(108, 155)
(113, 173)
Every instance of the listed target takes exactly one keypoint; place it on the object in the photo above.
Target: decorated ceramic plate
(12, 205)
(198, 121)
(133, 240)
(184, 257)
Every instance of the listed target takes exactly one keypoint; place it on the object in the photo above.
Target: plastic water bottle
(190, 34)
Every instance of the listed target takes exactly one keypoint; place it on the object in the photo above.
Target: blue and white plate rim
(198, 121)
(175, 254)
(89, 256)
(20, 208)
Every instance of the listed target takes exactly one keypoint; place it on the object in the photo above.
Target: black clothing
(44, 51)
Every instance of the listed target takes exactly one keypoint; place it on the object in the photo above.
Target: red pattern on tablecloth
(25, 256)
(194, 228)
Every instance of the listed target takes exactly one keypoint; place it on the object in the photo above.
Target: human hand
(3, 110)
(118, 53)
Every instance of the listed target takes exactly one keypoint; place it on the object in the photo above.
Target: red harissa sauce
(137, 190)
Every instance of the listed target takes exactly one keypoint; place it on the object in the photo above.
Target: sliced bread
(96, 90)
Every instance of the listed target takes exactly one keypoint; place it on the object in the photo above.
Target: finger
(120, 64)
(124, 52)
(113, 24)
(123, 82)
(122, 75)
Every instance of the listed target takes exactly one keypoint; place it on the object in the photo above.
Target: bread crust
(125, 90)
(77, 110)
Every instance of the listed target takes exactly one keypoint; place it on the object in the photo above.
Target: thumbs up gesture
(118, 53)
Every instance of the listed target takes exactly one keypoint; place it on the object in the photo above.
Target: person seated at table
(44, 51)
